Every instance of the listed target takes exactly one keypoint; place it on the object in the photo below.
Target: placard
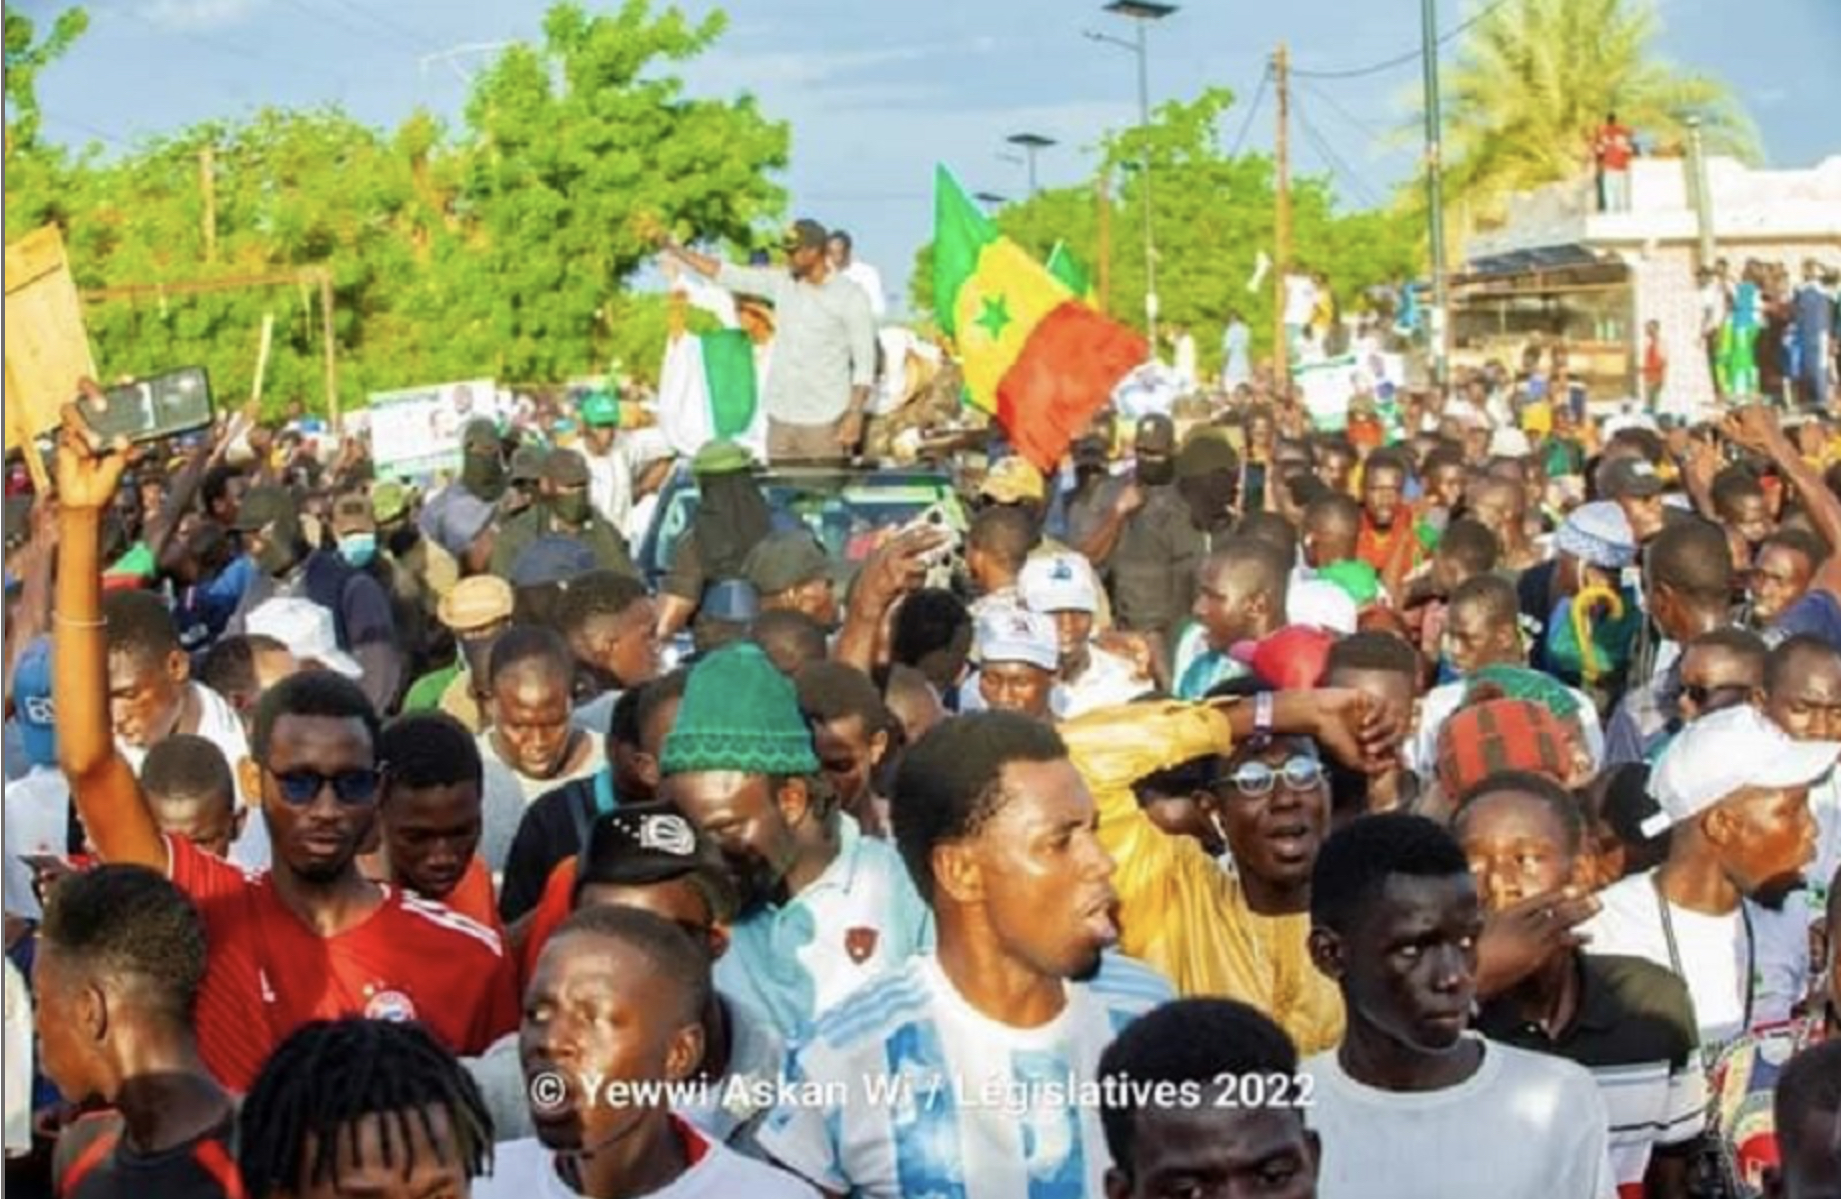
(47, 346)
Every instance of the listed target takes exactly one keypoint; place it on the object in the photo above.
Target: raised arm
(108, 795)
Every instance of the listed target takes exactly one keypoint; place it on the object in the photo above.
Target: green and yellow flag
(1034, 355)
(1064, 266)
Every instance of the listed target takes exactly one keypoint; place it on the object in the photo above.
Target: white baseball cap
(1725, 752)
(306, 628)
(1058, 583)
(1007, 634)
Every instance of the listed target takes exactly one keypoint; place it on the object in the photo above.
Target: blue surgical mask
(358, 548)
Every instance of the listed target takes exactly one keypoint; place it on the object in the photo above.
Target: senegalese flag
(1064, 266)
(1033, 354)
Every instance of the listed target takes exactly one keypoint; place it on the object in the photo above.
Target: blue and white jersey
(906, 1091)
(859, 919)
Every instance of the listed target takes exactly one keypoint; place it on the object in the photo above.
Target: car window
(849, 521)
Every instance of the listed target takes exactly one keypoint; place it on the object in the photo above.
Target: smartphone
(153, 409)
(46, 863)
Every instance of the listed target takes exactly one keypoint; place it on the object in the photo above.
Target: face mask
(358, 549)
(484, 476)
(1156, 473)
(571, 508)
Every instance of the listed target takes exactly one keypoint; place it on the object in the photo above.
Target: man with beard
(825, 346)
(982, 1042)
(614, 1014)
(363, 621)
(563, 509)
(1241, 935)
(1733, 790)
(312, 938)
(823, 907)
(1409, 1105)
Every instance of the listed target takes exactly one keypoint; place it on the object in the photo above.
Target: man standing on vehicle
(825, 347)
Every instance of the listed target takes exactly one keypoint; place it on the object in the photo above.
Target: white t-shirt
(532, 789)
(526, 1170)
(218, 724)
(1524, 1126)
(869, 279)
(1109, 681)
(1714, 951)
(38, 813)
(910, 1091)
(610, 484)
(18, 1076)
(1300, 299)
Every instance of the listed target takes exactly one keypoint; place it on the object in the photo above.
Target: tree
(502, 249)
(1212, 216)
(1535, 78)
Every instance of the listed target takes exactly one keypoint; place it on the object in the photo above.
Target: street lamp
(1143, 12)
(991, 199)
(1032, 144)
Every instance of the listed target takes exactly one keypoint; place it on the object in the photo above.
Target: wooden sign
(47, 346)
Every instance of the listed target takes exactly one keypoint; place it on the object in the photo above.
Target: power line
(1355, 122)
(1334, 161)
(234, 49)
(1401, 60)
(84, 127)
(367, 35)
(1246, 126)
(409, 36)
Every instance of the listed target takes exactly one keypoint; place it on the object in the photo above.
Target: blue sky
(878, 90)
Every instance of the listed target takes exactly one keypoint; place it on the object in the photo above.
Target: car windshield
(849, 517)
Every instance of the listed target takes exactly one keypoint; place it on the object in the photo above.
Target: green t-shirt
(425, 695)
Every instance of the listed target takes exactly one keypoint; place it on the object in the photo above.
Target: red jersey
(268, 974)
(472, 897)
(549, 914)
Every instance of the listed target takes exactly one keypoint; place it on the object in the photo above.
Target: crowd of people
(1442, 806)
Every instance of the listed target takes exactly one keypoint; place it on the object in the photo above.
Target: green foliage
(503, 249)
(1212, 217)
(1535, 78)
(25, 58)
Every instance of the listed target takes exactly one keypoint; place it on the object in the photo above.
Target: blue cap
(733, 600)
(32, 700)
(551, 560)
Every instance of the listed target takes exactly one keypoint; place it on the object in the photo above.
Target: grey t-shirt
(824, 342)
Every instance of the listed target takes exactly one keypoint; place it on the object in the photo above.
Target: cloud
(199, 14)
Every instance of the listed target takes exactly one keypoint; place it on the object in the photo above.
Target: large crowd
(1438, 805)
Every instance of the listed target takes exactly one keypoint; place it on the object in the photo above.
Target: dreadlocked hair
(328, 1076)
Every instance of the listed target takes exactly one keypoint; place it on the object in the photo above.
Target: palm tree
(1534, 79)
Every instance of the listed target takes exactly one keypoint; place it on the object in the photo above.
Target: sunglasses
(298, 788)
(1713, 698)
(1299, 773)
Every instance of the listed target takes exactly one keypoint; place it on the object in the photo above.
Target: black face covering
(484, 476)
(571, 508)
(401, 539)
(1157, 472)
(1210, 498)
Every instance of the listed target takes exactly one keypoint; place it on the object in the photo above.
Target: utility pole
(1281, 257)
(332, 368)
(207, 184)
(1103, 196)
(1703, 197)
(1435, 202)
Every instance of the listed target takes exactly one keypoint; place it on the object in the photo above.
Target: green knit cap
(739, 713)
(1519, 682)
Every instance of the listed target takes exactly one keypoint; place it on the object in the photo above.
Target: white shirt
(861, 918)
(869, 279)
(218, 724)
(1300, 299)
(532, 789)
(610, 484)
(964, 1106)
(18, 1076)
(1714, 951)
(1441, 703)
(1185, 360)
(526, 1170)
(38, 813)
(1109, 680)
(1524, 1126)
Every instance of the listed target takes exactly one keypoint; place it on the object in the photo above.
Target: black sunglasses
(1710, 699)
(298, 788)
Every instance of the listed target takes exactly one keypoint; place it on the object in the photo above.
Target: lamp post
(1032, 144)
(991, 200)
(1143, 12)
(1435, 192)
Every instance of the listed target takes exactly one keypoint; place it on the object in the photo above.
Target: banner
(415, 433)
(1329, 385)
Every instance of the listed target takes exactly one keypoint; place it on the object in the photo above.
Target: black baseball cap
(641, 844)
(1633, 477)
(805, 234)
(1156, 435)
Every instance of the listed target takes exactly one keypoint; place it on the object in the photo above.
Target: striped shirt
(905, 1089)
(1635, 1031)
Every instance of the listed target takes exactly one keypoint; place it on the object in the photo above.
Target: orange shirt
(267, 973)
(551, 910)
